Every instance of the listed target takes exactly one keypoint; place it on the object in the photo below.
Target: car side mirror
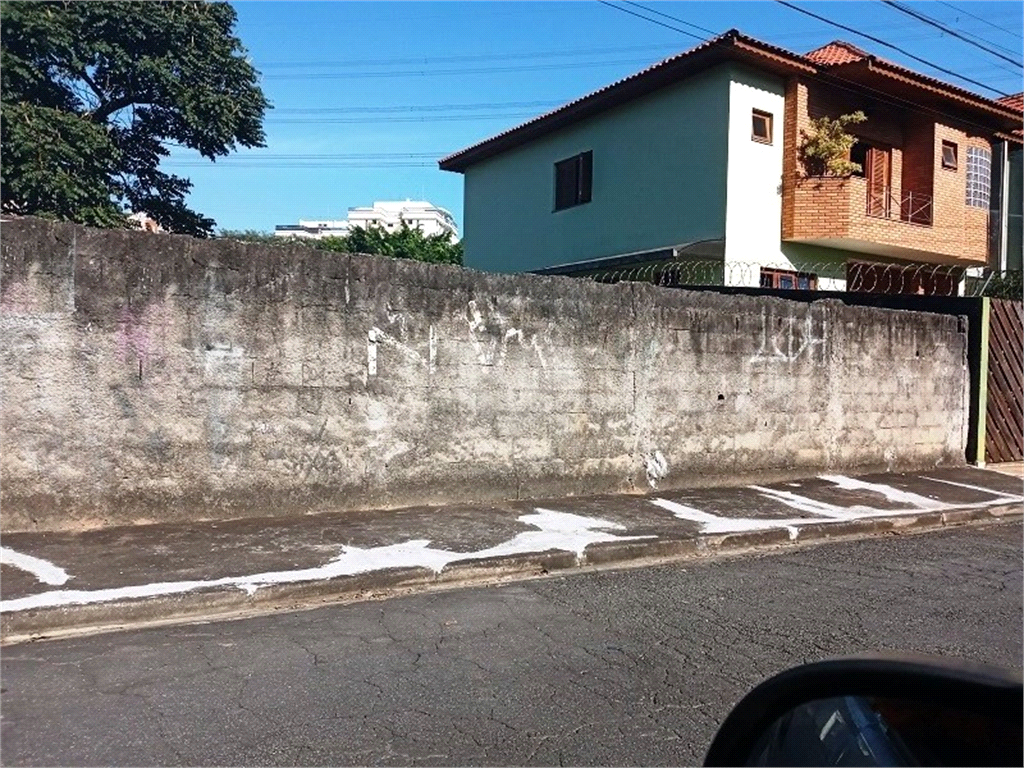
(877, 710)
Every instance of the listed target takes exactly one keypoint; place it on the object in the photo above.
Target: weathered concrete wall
(150, 377)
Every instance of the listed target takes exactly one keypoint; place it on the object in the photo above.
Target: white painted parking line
(890, 493)
(560, 531)
(43, 570)
(975, 488)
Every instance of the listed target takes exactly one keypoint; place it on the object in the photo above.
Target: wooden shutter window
(878, 181)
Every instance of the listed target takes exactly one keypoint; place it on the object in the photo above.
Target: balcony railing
(912, 207)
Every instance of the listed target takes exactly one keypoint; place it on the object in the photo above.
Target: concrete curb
(232, 603)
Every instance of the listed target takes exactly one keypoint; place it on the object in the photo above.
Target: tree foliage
(250, 236)
(826, 151)
(405, 243)
(94, 92)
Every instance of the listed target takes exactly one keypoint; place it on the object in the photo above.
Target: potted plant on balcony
(826, 151)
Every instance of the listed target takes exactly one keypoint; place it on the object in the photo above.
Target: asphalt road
(628, 667)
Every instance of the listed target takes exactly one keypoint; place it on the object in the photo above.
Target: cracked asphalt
(632, 667)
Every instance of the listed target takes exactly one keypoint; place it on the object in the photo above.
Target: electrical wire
(460, 72)
(983, 20)
(392, 119)
(890, 45)
(401, 108)
(466, 58)
(858, 89)
(653, 21)
(385, 160)
(938, 25)
(673, 18)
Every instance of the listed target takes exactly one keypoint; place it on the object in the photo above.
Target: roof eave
(951, 92)
(730, 47)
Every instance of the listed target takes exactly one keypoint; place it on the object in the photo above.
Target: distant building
(388, 215)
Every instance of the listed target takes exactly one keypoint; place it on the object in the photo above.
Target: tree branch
(89, 81)
(103, 111)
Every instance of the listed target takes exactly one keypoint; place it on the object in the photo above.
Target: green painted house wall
(659, 179)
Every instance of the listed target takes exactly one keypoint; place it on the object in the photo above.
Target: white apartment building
(387, 214)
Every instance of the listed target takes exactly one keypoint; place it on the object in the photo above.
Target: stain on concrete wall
(156, 377)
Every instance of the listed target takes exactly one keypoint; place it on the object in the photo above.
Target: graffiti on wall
(789, 340)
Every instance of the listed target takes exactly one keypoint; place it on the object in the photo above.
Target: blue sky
(369, 95)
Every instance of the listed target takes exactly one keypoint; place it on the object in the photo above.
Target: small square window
(949, 155)
(762, 127)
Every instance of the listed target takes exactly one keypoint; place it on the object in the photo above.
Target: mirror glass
(858, 730)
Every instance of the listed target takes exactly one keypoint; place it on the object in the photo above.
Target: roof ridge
(827, 55)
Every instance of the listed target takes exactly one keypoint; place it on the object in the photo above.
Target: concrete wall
(155, 377)
(658, 181)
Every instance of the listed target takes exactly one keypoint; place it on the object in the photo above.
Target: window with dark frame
(949, 159)
(788, 279)
(574, 180)
(761, 130)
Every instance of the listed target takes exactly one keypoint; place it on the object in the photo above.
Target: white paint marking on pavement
(43, 570)
(558, 531)
(977, 488)
(805, 503)
(890, 493)
(830, 513)
(716, 524)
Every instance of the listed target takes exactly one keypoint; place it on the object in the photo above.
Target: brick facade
(822, 209)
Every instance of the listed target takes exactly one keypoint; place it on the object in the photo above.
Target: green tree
(826, 151)
(405, 243)
(251, 236)
(94, 92)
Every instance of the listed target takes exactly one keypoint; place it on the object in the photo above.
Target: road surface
(613, 667)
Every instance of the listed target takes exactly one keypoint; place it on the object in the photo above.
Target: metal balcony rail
(906, 205)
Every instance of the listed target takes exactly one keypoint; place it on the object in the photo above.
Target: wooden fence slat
(1004, 412)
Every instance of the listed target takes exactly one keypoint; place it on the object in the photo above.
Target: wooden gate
(1004, 415)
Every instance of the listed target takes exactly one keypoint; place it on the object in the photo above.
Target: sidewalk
(60, 583)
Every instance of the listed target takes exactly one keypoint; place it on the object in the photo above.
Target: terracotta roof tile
(1016, 101)
(836, 52)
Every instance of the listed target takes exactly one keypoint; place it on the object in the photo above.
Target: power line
(428, 61)
(406, 160)
(405, 119)
(890, 45)
(460, 71)
(674, 18)
(938, 25)
(983, 20)
(404, 108)
(327, 156)
(562, 53)
(653, 21)
(306, 166)
(858, 89)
